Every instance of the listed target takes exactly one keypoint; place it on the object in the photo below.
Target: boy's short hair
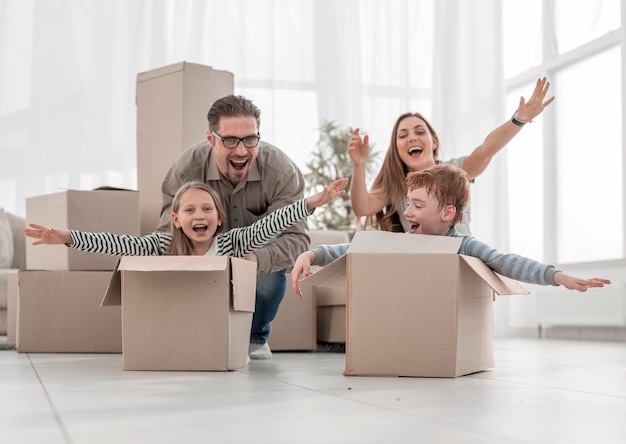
(446, 183)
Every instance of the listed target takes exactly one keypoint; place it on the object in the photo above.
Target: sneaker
(259, 351)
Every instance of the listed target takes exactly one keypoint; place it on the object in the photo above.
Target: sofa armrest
(19, 241)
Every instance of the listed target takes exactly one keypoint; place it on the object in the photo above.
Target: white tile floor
(541, 391)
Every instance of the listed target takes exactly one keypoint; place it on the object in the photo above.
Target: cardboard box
(417, 308)
(294, 328)
(59, 311)
(172, 106)
(184, 312)
(110, 210)
(328, 288)
(297, 323)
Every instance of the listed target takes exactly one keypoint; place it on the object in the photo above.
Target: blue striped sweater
(510, 265)
(235, 242)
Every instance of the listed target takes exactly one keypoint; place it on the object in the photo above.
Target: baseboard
(583, 333)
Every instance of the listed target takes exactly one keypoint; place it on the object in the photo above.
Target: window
(567, 174)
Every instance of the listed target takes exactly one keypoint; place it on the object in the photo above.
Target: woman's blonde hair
(391, 178)
(181, 244)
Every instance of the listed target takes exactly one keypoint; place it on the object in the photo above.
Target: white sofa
(12, 256)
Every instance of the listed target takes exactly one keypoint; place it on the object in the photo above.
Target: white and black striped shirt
(236, 242)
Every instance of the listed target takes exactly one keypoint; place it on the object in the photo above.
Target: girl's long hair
(181, 245)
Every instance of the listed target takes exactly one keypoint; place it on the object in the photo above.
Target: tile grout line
(64, 431)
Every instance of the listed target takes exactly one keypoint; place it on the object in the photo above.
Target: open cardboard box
(184, 312)
(415, 307)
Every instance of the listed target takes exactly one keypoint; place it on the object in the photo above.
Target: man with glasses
(253, 178)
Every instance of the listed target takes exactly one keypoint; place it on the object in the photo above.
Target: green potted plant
(330, 161)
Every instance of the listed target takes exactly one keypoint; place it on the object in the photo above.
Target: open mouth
(413, 226)
(415, 151)
(200, 228)
(239, 164)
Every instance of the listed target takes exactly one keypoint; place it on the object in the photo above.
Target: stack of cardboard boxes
(302, 322)
(160, 311)
(172, 106)
(59, 293)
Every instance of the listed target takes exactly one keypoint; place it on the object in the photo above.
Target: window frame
(551, 63)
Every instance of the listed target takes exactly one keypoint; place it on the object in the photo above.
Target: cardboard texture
(59, 311)
(417, 308)
(294, 327)
(172, 106)
(115, 211)
(327, 287)
(184, 312)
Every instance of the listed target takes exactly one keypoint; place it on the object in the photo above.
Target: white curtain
(68, 70)
(468, 87)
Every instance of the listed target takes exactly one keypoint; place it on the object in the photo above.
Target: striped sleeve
(510, 265)
(154, 244)
(243, 240)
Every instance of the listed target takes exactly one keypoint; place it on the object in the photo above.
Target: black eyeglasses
(232, 142)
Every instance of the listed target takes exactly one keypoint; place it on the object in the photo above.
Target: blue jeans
(270, 290)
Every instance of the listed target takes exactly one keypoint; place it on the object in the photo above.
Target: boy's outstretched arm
(574, 283)
(320, 256)
(47, 235)
(301, 269)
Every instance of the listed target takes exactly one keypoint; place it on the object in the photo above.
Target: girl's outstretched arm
(47, 236)
(328, 194)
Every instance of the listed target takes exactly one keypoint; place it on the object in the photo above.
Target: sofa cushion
(19, 240)
(6, 241)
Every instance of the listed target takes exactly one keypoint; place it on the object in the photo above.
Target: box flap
(169, 69)
(113, 295)
(173, 263)
(386, 242)
(502, 285)
(244, 284)
(328, 273)
(111, 188)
